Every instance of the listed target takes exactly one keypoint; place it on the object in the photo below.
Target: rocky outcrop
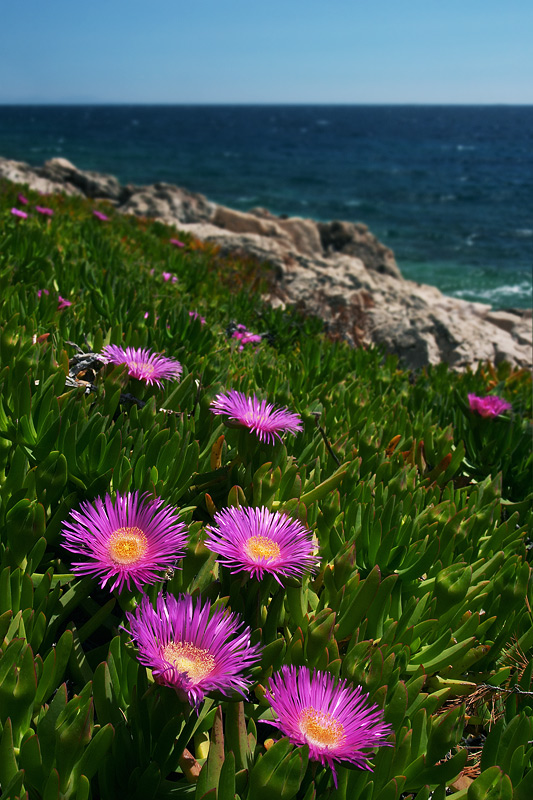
(415, 321)
(337, 270)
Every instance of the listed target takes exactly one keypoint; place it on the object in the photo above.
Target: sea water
(448, 188)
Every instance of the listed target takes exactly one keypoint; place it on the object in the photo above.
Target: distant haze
(301, 51)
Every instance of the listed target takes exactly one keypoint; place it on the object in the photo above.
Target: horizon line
(47, 103)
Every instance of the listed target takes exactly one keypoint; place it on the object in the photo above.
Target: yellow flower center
(255, 418)
(127, 545)
(186, 657)
(136, 366)
(262, 547)
(321, 729)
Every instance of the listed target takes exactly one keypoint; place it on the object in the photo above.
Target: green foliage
(422, 513)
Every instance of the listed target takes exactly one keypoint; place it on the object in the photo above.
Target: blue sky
(244, 51)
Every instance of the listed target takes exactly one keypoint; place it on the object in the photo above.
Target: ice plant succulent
(100, 215)
(143, 363)
(334, 719)
(259, 541)
(47, 212)
(193, 648)
(177, 243)
(262, 418)
(490, 406)
(131, 540)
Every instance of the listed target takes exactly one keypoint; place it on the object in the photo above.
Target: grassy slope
(420, 509)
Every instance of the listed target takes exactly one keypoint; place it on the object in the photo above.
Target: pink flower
(177, 243)
(335, 720)
(196, 315)
(490, 406)
(260, 541)
(45, 211)
(62, 303)
(244, 336)
(143, 364)
(99, 215)
(264, 419)
(247, 338)
(168, 276)
(192, 647)
(18, 213)
(22, 199)
(131, 540)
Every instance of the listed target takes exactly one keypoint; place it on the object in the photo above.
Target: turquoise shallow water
(449, 188)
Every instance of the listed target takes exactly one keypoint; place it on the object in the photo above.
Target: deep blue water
(449, 188)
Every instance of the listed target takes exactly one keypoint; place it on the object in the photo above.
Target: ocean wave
(521, 290)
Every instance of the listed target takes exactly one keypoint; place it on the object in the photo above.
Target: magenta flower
(251, 338)
(168, 276)
(143, 364)
(196, 315)
(490, 406)
(245, 336)
(192, 647)
(258, 541)
(264, 419)
(177, 243)
(335, 720)
(47, 212)
(99, 215)
(22, 199)
(18, 213)
(61, 302)
(129, 540)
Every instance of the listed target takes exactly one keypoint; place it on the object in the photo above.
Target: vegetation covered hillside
(238, 559)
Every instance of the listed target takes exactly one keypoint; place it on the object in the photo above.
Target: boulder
(303, 234)
(19, 172)
(354, 239)
(293, 233)
(91, 184)
(167, 202)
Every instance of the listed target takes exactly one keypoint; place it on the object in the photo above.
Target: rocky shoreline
(337, 270)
